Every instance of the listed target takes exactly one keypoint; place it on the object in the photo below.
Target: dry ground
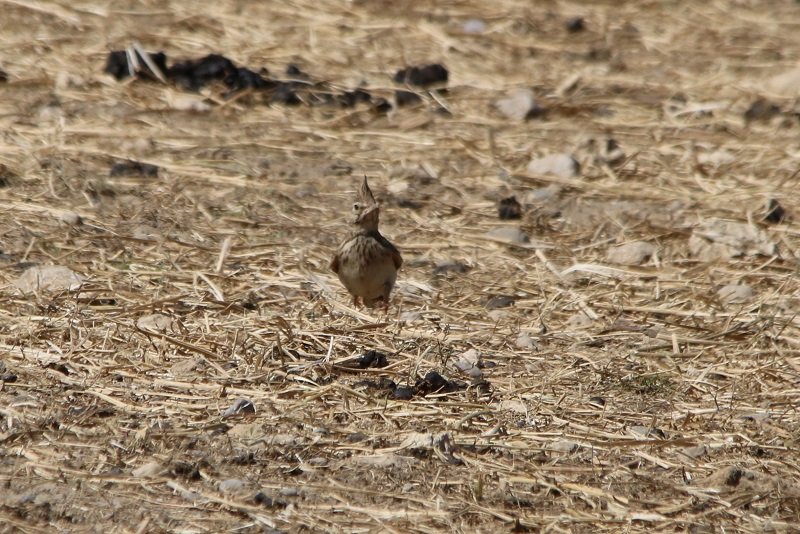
(612, 398)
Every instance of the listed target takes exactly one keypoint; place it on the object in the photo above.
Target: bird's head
(366, 210)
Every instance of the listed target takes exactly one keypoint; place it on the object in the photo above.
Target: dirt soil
(176, 356)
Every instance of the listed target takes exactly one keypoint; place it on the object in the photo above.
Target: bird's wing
(391, 249)
(396, 257)
(334, 264)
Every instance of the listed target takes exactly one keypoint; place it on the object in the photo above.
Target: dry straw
(606, 397)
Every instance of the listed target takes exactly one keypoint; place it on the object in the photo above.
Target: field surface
(176, 356)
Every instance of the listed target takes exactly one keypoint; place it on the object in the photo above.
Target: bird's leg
(355, 303)
(387, 290)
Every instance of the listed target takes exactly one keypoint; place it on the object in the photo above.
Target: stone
(150, 469)
(240, 406)
(509, 234)
(525, 342)
(156, 322)
(633, 253)
(579, 321)
(561, 165)
(46, 278)
(71, 218)
(474, 26)
(564, 446)
(232, 485)
(716, 239)
(518, 105)
(735, 293)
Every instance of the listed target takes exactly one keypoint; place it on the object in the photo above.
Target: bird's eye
(356, 206)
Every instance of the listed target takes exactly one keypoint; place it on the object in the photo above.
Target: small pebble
(525, 342)
(240, 407)
(562, 165)
(474, 26)
(633, 253)
(147, 470)
(71, 218)
(48, 278)
(519, 105)
(736, 293)
(564, 446)
(509, 234)
(450, 266)
(499, 301)
(231, 485)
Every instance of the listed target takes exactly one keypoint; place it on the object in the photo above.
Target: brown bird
(366, 262)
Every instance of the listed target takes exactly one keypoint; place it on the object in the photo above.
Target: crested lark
(366, 262)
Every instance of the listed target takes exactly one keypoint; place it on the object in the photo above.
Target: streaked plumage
(366, 262)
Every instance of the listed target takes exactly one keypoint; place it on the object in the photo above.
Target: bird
(366, 262)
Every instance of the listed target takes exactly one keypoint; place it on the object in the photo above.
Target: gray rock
(525, 342)
(232, 485)
(410, 316)
(499, 301)
(579, 321)
(189, 366)
(509, 234)
(450, 266)
(633, 253)
(474, 26)
(150, 469)
(48, 278)
(499, 316)
(517, 105)
(155, 322)
(564, 446)
(695, 452)
(718, 239)
(735, 293)
(562, 165)
(240, 407)
(542, 194)
(469, 362)
(71, 218)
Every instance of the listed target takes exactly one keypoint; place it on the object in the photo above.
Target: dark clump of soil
(406, 98)
(123, 64)
(509, 208)
(196, 73)
(373, 358)
(761, 110)
(435, 383)
(575, 24)
(423, 76)
(133, 168)
(348, 99)
(775, 212)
